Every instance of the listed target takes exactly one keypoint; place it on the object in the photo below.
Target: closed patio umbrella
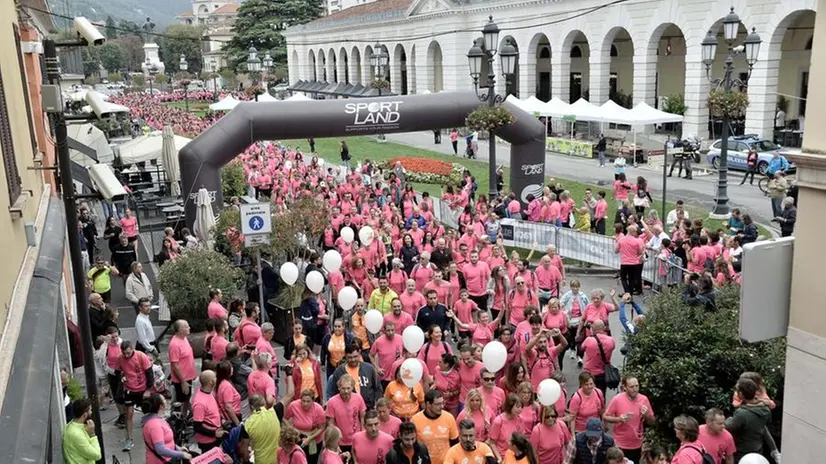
(204, 218)
(169, 155)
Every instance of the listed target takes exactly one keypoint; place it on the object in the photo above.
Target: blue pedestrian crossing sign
(256, 219)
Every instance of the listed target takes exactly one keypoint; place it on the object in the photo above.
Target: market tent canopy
(299, 97)
(557, 108)
(586, 111)
(266, 97)
(226, 104)
(147, 147)
(645, 114)
(98, 102)
(612, 112)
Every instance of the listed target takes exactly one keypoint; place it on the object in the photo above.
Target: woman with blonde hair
(476, 410)
(332, 453)
(288, 451)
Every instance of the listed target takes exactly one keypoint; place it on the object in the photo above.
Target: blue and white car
(738, 152)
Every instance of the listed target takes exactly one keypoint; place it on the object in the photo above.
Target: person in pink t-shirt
(493, 396)
(181, 362)
(386, 350)
(504, 425)
(476, 275)
(215, 309)
(588, 402)
(714, 437)
(470, 371)
(550, 437)
(259, 380)
(332, 453)
(691, 449)
(388, 423)
(594, 360)
(228, 398)
(371, 445)
(157, 433)
(289, 451)
(137, 379)
(400, 319)
(346, 411)
(629, 411)
(412, 299)
(308, 418)
(206, 414)
(631, 250)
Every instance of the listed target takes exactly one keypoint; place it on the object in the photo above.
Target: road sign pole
(264, 315)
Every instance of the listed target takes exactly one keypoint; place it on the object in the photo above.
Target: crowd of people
(345, 395)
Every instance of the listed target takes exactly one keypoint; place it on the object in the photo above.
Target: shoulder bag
(612, 374)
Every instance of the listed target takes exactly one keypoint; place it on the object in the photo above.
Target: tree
(181, 39)
(129, 28)
(228, 76)
(688, 359)
(161, 78)
(91, 80)
(112, 57)
(132, 47)
(115, 77)
(138, 80)
(111, 28)
(260, 23)
(91, 61)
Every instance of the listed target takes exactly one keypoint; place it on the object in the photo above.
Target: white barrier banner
(587, 247)
(528, 235)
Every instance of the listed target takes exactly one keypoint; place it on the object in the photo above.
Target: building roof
(379, 6)
(229, 8)
(185, 14)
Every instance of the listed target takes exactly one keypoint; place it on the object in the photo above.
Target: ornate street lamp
(750, 49)
(254, 67)
(486, 50)
(183, 66)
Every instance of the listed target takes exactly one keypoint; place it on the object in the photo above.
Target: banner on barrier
(524, 234)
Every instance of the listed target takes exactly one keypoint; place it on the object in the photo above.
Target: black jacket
(396, 454)
(441, 258)
(432, 316)
(96, 321)
(369, 383)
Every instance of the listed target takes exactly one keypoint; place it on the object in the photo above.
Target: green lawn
(198, 108)
(365, 147)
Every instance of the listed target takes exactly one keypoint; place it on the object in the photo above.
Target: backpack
(707, 459)
(427, 349)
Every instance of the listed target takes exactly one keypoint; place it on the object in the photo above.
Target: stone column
(355, 69)
(341, 67)
(561, 76)
(331, 69)
(762, 98)
(527, 73)
(320, 69)
(366, 69)
(598, 86)
(395, 73)
(696, 95)
(645, 78)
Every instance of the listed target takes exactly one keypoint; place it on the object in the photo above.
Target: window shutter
(22, 65)
(7, 145)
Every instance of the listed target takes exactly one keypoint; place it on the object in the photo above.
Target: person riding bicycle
(778, 163)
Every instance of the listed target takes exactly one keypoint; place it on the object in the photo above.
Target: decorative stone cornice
(811, 168)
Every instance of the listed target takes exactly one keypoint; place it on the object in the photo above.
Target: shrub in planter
(227, 233)
(233, 183)
(688, 360)
(486, 118)
(428, 170)
(730, 104)
(186, 283)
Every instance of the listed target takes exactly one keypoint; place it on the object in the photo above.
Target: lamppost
(214, 67)
(153, 70)
(508, 56)
(254, 67)
(183, 66)
(267, 63)
(750, 48)
(379, 62)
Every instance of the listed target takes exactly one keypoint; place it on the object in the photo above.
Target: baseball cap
(593, 428)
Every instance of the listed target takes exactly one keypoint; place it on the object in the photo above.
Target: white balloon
(494, 356)
(288, 165)
(332, 260)
(289, 273)
(315, 281)
(413, 339)
(366, 235)
(411, 371)
(373, 321)
(347, 297)
(348, 235)
(548, 392)
(754, 458)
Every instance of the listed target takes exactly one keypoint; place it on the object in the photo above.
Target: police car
(739, 148)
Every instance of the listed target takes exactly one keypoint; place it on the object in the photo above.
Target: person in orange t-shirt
(405, 401)
(435, 427)
(469, 449)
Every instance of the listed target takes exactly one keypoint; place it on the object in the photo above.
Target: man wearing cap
(591, 445)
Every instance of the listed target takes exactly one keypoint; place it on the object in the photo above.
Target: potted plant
(380, 84)
(674, 104)
(489, 118)
(186, 282)
(731, 104)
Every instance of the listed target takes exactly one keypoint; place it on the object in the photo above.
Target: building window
(22, 65)
(614, 51)
(576, 52)
(804, 93)
(7, 145)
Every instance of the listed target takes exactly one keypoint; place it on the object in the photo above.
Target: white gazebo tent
(147, 147)
(266, 97)
(226, 104)
(299, 97)
(556, 108)
(586, 111)
(643, 114)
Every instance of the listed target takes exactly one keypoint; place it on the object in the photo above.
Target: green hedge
(688, 360)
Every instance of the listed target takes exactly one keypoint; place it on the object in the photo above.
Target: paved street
(699, 191)
(113, 436)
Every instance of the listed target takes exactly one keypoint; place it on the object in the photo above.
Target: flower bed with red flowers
(428, 170)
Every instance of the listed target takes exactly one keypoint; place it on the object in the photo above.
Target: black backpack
(707, 459)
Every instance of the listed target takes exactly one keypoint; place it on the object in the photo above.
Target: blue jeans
(601, 156)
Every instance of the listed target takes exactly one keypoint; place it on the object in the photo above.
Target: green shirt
(101, 283)
(382, 301)
(78, 446)
(264, 431)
